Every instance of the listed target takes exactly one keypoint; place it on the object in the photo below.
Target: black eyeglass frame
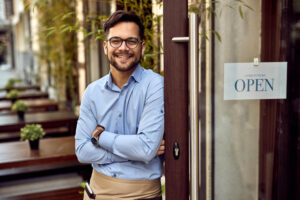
(122, 40)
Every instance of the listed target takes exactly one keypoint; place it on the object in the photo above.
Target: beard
(130, 66)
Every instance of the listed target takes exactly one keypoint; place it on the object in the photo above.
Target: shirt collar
(109, 82)
(136, 75)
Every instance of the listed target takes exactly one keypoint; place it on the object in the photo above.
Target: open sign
(246, 81)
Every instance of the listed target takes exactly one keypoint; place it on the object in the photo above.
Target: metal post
(194, 116)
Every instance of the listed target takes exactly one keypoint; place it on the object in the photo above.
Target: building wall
(22, 46)
(2, 10)
(236, 122)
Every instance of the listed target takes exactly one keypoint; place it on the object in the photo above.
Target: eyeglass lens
(116, 42)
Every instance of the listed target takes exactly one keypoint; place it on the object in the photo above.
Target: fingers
(161, 149)
(160, 153)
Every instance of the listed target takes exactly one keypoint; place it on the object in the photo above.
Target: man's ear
(143, 48)
(105, 47)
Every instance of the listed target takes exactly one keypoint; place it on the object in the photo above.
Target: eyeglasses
(131, 42)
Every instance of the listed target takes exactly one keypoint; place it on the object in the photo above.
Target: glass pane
(236, 123)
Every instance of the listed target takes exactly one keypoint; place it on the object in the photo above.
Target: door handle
(180, 39)
(193, 102)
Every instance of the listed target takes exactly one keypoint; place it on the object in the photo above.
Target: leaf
(217, 35)
(50, 33)
(193, 9)
(88, 34)
(67, 15)
(27, 6)
(80, 192)
(230, 6)
(63, 26)
(248, 7)
(241, 12)
(204, 35)
(65, 29)
(82, 184)
(98, 38)
(239, 1)
(210, 11)
(50, 28)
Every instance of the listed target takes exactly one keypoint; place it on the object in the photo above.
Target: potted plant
(11, 84)
(13, 95)
(32, 133)
(8, 86)
(20, 107)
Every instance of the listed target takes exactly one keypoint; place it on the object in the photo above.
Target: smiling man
(121, 122)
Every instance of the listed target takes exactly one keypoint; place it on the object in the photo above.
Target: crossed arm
(142, 146)
(99, 129)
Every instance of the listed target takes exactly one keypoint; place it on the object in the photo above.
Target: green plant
(11, 83)
(163, 189)
(20, 106)
(13, 94)
(32, 132)
(58, 43)
(206, 9)
(8, 86)
(151, 22)
(82, 184)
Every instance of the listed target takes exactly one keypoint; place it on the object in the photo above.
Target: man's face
(123, 58)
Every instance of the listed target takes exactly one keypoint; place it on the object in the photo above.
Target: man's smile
(123, 57)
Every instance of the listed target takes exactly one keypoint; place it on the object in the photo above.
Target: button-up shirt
(133, 119)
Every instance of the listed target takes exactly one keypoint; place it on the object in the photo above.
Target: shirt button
(120, 115)
(114, 175)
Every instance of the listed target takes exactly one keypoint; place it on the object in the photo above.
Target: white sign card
(248, 81)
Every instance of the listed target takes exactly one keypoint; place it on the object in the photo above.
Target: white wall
(2, 10)
(236, 122)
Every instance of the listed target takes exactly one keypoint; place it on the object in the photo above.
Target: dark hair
(124, 16)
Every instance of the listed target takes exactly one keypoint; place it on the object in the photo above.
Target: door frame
(278, 133)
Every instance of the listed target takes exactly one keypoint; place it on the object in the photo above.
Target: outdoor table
(34, 104)
(51, 151)
(54, 155)
(46, 119)
(26, 95)
(24, 87)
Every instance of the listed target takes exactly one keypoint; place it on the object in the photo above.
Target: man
(121, 122)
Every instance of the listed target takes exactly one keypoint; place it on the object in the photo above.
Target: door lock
(176, 150)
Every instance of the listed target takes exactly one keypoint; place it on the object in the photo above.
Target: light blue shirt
(133, 118)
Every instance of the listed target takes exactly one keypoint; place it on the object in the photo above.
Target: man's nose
(123, 46)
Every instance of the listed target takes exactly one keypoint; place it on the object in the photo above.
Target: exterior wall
(21, 37)
(2, 10)
(34, 25)
(236, 122)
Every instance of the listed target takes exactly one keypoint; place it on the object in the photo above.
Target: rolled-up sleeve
(86, 152)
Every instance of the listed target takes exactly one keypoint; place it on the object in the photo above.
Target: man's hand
(161, 149)
(96, 133)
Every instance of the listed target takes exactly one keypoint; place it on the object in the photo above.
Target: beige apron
(110, 188)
